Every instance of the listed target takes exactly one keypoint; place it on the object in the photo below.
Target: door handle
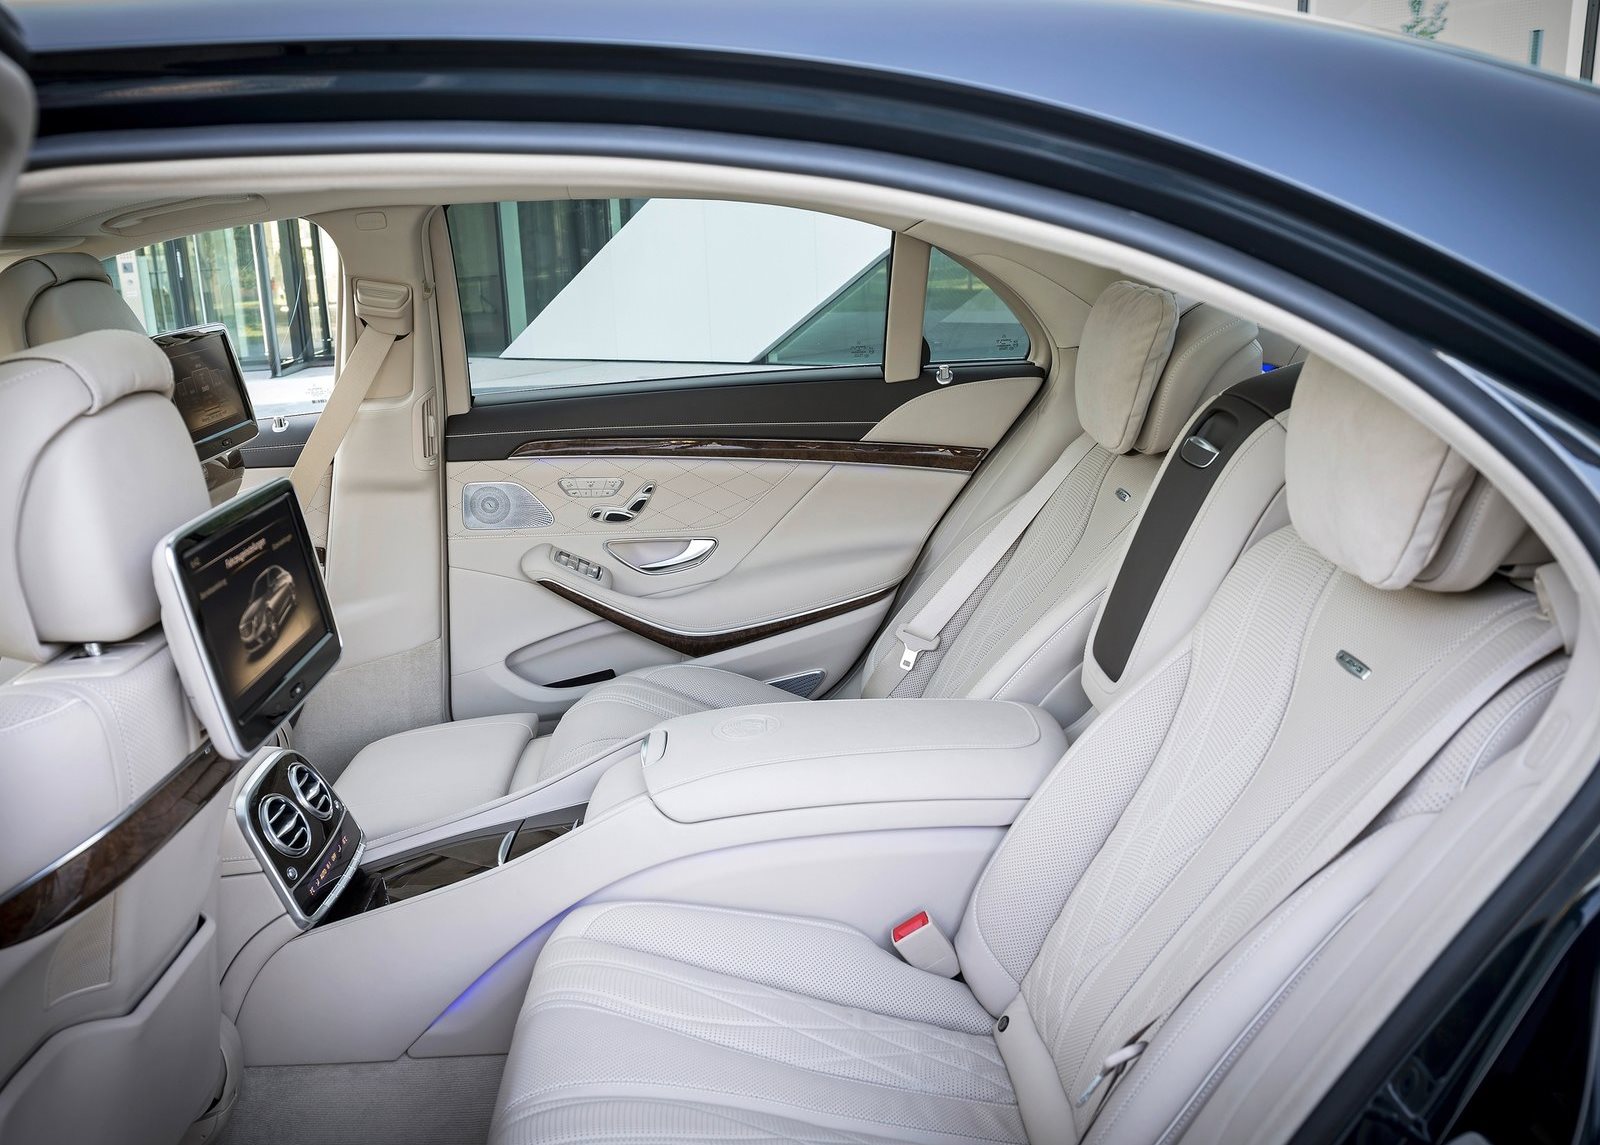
(617, 515)
(633, 554)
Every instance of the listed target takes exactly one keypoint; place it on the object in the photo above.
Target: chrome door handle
(617, 515)
(692, 553)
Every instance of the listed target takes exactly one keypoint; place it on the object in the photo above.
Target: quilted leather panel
(690, 495)
(655, 1028)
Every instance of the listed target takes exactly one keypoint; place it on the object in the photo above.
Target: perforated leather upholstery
(1146, 362)
(95, 467)
(1147, 892)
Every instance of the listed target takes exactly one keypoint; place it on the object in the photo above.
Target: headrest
(54, 296)
(1383, 497)
(96, 466)
(1147, 359)
(1212, 350)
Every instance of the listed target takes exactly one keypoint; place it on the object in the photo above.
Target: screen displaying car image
(208, 389)
(256, 597)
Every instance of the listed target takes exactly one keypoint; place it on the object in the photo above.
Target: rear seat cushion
(646, 1015)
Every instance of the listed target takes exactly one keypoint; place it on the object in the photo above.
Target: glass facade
(588, 291)
(283, 334)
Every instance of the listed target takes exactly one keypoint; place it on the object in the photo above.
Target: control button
(298, 690)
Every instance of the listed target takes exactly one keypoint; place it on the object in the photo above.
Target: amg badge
(1350, 664)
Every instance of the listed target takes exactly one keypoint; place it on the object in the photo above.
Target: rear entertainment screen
(208, 389)
(253, 600)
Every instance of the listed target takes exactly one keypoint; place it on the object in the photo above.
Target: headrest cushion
(1211, 351)
(1383, 497)
(95, 467)
(54, 296)
(1125, 345)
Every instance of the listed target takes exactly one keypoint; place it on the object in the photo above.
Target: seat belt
(385, 308)
(922, 632)
(1297, 847)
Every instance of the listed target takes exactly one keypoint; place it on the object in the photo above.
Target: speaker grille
(502, 505)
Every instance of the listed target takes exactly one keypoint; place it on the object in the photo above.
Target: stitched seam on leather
(1147, 389)
(1480, 512)
(1416, 521)
(1061, 631)
(1492, 740)
(1192, 536)
(1425, 680)
(1141, 1076)
(61, 706)
(1099, 956)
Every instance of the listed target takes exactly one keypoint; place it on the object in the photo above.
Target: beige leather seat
(110, 1020)
(1156, 896)
(53, 296)
(1146, 361)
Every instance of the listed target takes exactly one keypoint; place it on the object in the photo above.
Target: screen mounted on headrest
(208, 389)
(246, 615)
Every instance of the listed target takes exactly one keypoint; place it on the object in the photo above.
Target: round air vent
(313, 794)
(285, 825)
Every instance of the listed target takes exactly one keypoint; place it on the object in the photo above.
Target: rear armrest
(788, 757)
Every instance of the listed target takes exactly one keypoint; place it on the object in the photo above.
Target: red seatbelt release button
(924, 946)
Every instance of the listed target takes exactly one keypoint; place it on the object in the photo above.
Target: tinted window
(965, 321)
(583, 292)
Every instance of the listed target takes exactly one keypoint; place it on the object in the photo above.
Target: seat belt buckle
(912, 645)
(922, 944)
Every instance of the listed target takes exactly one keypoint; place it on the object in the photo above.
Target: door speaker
(502, 505)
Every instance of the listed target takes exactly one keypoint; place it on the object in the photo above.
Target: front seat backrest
(54, 296)
(109, 1020)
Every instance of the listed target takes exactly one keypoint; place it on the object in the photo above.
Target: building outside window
(283, 334)
(1552, 35)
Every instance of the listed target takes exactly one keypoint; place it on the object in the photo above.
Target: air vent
(284, 825)
(313, 793)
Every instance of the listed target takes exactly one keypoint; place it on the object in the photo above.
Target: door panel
(812, 535)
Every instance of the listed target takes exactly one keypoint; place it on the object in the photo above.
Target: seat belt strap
(385, 307)
(923, 631)
(1340, 807)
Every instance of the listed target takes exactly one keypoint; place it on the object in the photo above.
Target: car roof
(1496, 164)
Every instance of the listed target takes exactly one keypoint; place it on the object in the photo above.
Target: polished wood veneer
(696, 644)
(85, 875)
(958, 458)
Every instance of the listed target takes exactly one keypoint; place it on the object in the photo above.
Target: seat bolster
(421, 775)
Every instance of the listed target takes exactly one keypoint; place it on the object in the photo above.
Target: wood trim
(697, 644)
(959, 458)
(85, 875)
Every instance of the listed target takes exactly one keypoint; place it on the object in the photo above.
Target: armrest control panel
(305, 838)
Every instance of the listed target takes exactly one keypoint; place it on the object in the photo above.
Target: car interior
(842, 665)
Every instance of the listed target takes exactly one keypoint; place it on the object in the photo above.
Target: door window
(283, 334)
(572, 293)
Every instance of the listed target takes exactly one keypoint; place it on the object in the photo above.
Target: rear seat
(1146, 361)
(1158, 897)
